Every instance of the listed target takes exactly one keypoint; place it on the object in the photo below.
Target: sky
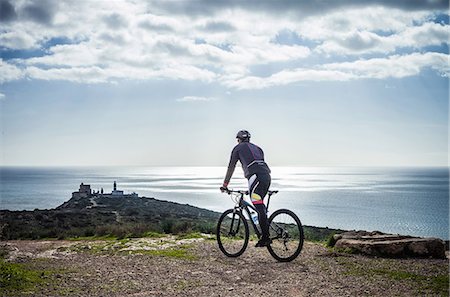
(169, 83)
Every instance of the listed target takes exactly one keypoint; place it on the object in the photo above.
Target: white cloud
(195, 99)
(365, 42)
(75, 74)
(286, 77)
(111, 41)
(377, 68)
(2, 96)
(9, 72)
(15, 40)
(395, 66)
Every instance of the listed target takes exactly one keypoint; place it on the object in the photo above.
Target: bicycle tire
(286, 232)
(232, 242)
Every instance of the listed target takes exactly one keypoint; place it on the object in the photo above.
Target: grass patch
(17, 277)
(151, 234)
(437, 284)
(177, 253)
(192, 235)
(128, 246)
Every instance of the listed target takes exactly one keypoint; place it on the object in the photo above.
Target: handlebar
(230, 191)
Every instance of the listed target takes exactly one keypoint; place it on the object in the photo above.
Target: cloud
(15, 40)
(40, 11)
(135, 40)
(218, 27)
(365, 42)
(377, 68)
(74, 74)
(9, 72)
(395, 66)
(195, 99)
(115, 21)
(300, 7)
(7, 11)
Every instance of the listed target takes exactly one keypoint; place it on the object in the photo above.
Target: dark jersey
(251, 157)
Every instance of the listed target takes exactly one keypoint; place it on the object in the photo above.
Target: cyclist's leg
(258, 187)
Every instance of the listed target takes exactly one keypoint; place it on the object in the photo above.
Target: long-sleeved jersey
(251, 157)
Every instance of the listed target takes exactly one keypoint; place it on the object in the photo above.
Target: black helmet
(243, 135)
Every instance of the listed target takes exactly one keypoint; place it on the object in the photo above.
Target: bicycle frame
(242, 205)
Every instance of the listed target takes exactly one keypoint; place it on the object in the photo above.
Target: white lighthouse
(115, 192)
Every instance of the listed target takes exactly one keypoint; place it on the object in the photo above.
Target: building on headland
(118, 193)
(86, 192)
(83, 192)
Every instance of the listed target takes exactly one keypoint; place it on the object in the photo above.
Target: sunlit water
(411, 201)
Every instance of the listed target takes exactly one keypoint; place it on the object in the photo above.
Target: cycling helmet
(243, 135)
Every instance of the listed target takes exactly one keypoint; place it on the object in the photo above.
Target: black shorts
(258, 185)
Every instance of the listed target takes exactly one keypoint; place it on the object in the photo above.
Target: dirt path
(93, 203)
(196, 267)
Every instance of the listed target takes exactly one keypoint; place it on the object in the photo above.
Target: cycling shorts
(258, 185)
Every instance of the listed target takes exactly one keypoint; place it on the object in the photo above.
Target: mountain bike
(285, 229)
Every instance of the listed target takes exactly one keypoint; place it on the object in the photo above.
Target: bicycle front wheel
(232, 233)
(286, 233)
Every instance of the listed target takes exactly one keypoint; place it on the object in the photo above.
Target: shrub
(205, 227)
(331, 241)
(167, 226)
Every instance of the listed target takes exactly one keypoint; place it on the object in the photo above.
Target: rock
(390, 245)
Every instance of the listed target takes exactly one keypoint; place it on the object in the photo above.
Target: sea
(408, 201)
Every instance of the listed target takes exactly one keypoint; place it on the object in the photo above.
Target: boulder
(390, 245)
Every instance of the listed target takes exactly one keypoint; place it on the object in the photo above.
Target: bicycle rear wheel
(286, 233)
(232, 233)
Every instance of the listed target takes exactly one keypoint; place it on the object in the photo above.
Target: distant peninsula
(95, 214)
(117, 214)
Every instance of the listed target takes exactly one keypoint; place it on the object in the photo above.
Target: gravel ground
(137, 268)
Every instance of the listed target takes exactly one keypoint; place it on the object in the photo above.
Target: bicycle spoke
(287, 235)
(232, 234)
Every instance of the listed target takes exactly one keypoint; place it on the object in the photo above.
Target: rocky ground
(170, 266)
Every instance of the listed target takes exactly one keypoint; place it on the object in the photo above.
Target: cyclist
(257, 172)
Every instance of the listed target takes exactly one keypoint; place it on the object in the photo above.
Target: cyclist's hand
(223, 189)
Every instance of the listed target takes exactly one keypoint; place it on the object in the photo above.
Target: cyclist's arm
(231, 166)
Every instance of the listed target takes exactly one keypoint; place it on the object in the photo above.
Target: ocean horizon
(403, 200)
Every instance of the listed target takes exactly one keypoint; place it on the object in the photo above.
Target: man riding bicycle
(257, 172)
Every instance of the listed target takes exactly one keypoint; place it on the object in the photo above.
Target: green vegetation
(318, 234)
(17, 277)
(194, 235)
(151, 234)
(114, 218)
(22, 278)
(164, 246)
(437, 284)
(117, 219)
(330, 241)
(181, 252)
